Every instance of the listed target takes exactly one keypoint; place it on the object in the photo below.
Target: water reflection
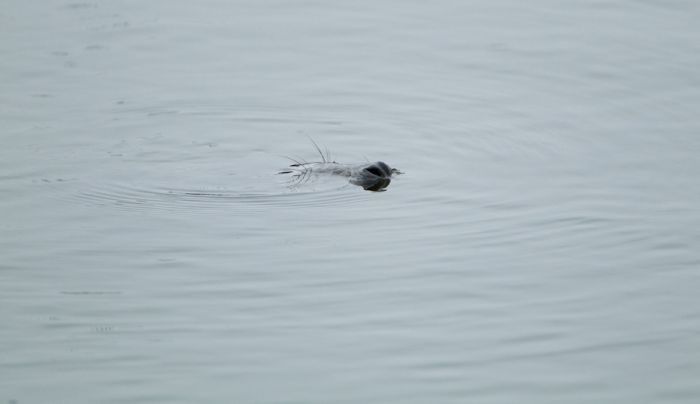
(544, 251)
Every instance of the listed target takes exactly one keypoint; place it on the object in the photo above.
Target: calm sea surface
(542, 245)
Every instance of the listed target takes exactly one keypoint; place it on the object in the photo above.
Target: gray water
(542, 245)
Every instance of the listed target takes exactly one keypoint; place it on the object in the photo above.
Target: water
(542, 245)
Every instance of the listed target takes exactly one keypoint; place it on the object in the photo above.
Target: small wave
(193, 200)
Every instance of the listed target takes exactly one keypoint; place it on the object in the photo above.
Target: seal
(370, 176)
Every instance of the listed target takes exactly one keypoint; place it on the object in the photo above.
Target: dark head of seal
(375, 176)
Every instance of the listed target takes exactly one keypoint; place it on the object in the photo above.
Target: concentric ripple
(195, 200)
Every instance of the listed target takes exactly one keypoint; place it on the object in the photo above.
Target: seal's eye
(380, 169)
(375, 170)
(386, 170)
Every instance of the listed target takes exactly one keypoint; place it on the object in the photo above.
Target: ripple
(207, 201)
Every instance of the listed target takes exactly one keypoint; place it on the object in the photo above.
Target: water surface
(542, 245)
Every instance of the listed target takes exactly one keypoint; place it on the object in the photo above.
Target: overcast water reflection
(541, 245)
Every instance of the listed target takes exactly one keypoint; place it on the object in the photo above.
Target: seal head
(374, 177)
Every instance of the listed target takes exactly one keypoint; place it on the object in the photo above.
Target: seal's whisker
(304, 177)
(295, 161)
(318, 149)
(300, 162)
